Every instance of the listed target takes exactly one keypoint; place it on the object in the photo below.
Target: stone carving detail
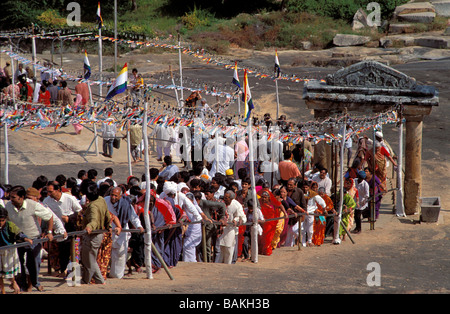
(371, 74)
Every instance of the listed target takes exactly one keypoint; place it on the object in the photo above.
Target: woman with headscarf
(281, 229)
(380, 162)
(375, 191)
(270, 209)
(173, 243)
(348, 207)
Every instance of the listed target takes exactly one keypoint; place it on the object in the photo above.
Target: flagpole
(33, 48)
(337, 226)
(239, 109)
(130, 170)
(278, 101)
(277, 74)
(181, 68)
(254, 229)
(399, 206)
(95, 126)
(254, 197)
(13, 70)
(173, 82)
(6, 154)
(100, 64)
(115, 37)
(5, 127)
(148, 230)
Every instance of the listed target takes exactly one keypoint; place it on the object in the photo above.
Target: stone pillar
(413, 162)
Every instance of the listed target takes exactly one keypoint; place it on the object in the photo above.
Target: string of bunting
(76, 78)
(200, 54)
(40, 117)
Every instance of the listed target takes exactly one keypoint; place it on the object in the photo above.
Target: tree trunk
(133, 5)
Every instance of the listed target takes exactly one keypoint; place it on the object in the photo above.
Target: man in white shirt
(236, 216)
(163, 135)
(109, 130)
(204, 109)
(222, 157)
(25, 213)
(217, 186)
(108, 175)
(364, 193)
(66, 207)
(323, 180)
(121, 206)
(348, 143)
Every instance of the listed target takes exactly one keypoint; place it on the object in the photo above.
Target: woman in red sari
(270, 208)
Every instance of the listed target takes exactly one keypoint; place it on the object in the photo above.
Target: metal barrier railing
(75, 234)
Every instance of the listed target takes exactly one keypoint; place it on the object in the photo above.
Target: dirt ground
(413, 256)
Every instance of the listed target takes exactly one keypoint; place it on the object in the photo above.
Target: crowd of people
(295, 205)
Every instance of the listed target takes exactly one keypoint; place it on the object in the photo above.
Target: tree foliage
(17, 14)
(341, 9)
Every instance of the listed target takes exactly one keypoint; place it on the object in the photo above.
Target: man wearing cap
(25, 213)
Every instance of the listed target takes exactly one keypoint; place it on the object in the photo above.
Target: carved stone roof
(367, 86)
(371, 74)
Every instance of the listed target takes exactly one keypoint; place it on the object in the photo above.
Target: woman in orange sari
(270, 209)
(380, 163)
(320, 222)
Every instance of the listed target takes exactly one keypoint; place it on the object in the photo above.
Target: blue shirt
(169, 172)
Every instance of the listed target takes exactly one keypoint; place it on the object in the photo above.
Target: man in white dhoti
(121, 206)
(227, 240)
(163, 137)
(193, 234)
(185, 146)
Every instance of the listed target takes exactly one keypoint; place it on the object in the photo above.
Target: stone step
(442, 7)
(422, 41)
(343, 40)
(403, 28)
(433, 42)
(414, 7)
(423, 17)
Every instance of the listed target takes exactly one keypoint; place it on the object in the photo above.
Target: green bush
(341, 9)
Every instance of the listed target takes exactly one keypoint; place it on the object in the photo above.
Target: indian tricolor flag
(120, 84)
(247, 98)
(236, 77)
(99, 16)
(87, 67)
(277, 68)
